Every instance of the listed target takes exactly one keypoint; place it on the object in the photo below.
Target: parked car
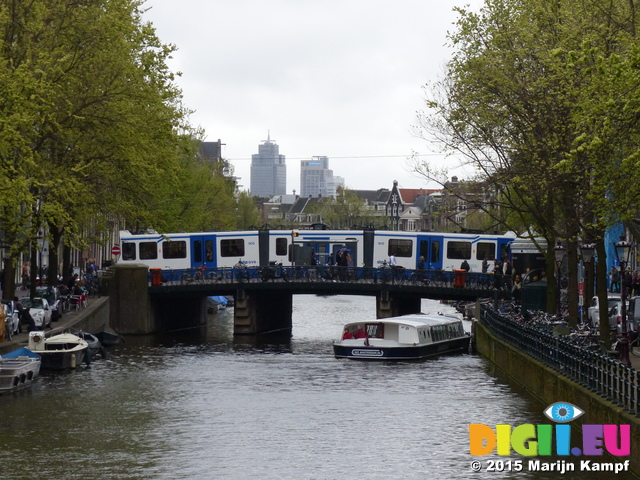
(40, 311)
(12, 318)
(52, 295)
(614, 307)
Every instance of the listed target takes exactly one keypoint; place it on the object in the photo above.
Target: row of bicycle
(322, 273)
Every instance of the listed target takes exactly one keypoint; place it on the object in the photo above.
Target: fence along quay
(553, 369)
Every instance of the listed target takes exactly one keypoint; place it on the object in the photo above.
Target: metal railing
(601, 374)
(326, 273)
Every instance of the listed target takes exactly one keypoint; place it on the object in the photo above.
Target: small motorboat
(59, 352)
(18, 369)
(94, 345)
(407, 337)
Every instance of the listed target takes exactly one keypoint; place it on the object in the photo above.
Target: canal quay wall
(548, 387)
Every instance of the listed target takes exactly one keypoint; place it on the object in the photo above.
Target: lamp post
(623, 250)
(586, 252)
(558, 252)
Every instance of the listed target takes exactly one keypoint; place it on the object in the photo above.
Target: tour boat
(407, 337)
(59, 351)
(18, 369)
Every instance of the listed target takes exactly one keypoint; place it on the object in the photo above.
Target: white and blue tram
(259, 248)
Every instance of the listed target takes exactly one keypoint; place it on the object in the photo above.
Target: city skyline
(340, 80)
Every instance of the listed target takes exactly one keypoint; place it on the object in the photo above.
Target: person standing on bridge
(392, 260)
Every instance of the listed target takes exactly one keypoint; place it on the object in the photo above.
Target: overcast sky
(339, 78)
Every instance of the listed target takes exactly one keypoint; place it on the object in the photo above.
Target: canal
(201, 404)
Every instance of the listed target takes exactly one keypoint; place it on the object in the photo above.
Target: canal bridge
(145, 301)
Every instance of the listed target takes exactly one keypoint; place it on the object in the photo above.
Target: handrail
(601, 374)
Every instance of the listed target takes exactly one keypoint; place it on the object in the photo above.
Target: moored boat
(18, 369)
(407, 337)
(58, 352)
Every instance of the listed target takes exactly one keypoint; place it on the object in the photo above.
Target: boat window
(281, 246)
(459, 250)
(175, 249)
(128, 251)
(401, 248)
(148, 250)
(485, 250)
(375, 330)
(233, 247)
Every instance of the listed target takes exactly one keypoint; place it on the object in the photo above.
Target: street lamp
(623, 250)
(558, 252)
(586, 252)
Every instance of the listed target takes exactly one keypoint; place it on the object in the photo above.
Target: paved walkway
(66, 322)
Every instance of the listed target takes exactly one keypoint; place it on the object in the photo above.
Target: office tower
(316, 179)
(268, 170)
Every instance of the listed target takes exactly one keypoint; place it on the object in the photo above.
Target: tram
(259, 248)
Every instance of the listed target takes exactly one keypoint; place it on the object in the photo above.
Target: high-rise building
(316, 178)
(268, 170)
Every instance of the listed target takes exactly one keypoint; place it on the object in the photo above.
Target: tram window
(232, 248)
(128, 251)
(148, 250)
(504, 252)
(435, 252)
(197, 251)
(400, 248)
(485, 250)
(281, 246)
(175, 249)
(208, 245)
(424, 249)
(459, 250)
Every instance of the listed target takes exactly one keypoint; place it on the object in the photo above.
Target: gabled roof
(373, 196)
(409, 195)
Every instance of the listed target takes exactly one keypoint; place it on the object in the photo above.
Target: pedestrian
(507, 271)
(485, 265)
(392, 260)
(465, 266)
(25, 275)
(614, 277)
(28, 320)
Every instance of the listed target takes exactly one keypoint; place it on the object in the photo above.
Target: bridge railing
(326, 273)
(599, 373)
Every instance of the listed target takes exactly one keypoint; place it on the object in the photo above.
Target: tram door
(431, 248)
(203, 252)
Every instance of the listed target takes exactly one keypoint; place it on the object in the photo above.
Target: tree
(346, 210)
(248, 216)
(526, 101)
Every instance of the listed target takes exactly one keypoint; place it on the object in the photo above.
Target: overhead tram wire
(351, 157)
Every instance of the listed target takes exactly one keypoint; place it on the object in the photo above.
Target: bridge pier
(388, 305)
(262, 312)
(129, 299)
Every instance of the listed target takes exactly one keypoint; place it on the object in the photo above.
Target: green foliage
(92, 127)
(248, 215)
(345, 211)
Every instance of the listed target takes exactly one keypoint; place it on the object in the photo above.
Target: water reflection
(204, 404)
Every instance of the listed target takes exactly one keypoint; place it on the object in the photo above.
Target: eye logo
(563, 412)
